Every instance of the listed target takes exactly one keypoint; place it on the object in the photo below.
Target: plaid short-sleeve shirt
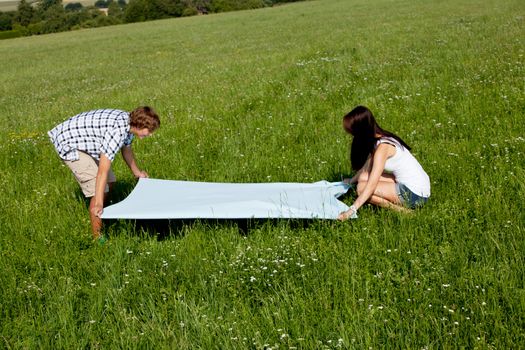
(99, 131)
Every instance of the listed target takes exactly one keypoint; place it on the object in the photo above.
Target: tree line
(51, 16)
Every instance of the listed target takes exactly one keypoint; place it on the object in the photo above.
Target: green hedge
(8, 34)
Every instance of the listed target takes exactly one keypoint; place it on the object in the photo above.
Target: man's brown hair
(144, 118)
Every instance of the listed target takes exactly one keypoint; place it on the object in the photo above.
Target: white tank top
(406, 169)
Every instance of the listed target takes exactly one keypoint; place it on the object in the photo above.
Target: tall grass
(258, 96)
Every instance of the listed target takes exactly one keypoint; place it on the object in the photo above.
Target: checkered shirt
(99, 131)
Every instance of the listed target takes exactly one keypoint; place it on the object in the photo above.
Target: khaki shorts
(85, 170)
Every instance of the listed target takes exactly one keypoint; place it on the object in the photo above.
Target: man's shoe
(102, 239)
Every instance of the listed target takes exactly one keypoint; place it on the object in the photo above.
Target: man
(88, 143)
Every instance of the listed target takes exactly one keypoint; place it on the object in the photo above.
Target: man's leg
(85, 171)
(96, 222)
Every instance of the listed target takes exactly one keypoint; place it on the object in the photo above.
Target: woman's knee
(360, 187)
(363, 177)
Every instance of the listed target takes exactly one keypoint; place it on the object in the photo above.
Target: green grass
(258, 96)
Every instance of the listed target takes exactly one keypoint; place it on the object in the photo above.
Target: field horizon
(12, 5)
(258, 96)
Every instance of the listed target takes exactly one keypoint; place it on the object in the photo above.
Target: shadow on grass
(166, 228)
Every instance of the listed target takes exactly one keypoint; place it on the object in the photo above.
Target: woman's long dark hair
(362, 125)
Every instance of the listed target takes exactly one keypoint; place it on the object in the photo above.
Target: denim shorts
(408, 198)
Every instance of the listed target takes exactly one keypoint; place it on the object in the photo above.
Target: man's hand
(97, 209)
(139, 174)
(129, 158)
(97, 204)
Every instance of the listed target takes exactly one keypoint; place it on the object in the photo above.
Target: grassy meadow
(6, 6)
(258, 96)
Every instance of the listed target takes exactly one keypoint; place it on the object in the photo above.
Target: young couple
(386, 172)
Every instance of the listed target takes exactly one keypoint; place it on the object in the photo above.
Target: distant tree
(122, 3)
(190, 11)
(193, 7)
(203, 6)
(35, 28)
(25, 13)
(73, 7)
(54, 19)
(55, 12)
(6, 21)
(75, 18)
(144, 10)
(44, 5)
(168, 8)
(114, 10)
(136, 11)
(107, 21)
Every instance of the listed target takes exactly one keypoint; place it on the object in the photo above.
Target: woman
(387, 175)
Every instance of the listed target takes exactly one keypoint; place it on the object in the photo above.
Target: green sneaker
(102, 240)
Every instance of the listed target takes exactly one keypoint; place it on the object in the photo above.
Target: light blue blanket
(166, 199)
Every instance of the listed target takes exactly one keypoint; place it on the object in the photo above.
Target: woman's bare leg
(385, 194)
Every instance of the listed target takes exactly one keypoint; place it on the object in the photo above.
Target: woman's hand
(349, 214)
